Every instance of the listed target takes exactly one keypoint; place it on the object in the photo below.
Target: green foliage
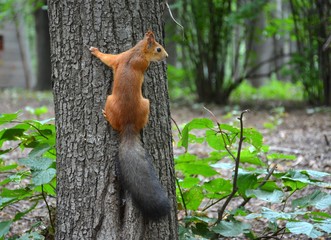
(32, 178)
(273, 90)
(203, 186)
(179, 89)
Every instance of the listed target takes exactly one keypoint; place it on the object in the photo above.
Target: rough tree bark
(90, 204)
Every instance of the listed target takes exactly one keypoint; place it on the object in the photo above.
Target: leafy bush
(202, 186)
(32, 178)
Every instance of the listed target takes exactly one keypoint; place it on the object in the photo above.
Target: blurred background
(228, 51)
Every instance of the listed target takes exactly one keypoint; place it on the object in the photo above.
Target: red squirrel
(127, 112)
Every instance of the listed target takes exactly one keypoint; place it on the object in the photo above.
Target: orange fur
(126, 106)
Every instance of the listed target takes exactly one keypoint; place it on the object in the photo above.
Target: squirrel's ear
(150, 38)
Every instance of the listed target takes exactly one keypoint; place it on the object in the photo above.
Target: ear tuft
(150, 37)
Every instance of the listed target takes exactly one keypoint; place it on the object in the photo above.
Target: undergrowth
(204, 192)
(213, 191)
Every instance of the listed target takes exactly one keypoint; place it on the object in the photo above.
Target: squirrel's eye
(158, 49)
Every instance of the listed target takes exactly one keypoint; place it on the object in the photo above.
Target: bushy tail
(139, 178)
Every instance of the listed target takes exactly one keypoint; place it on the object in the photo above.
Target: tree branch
(237, 161)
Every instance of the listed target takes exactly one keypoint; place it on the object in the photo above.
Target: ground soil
(303, 131)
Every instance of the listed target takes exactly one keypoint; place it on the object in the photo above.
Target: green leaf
(186, 158)
(278, 156)
(32, 235)
(193, 198)
(9, 193)
(197, 123)
(275, 196)
(194, 219)
(231, 229)
(303, 228)
(218, 185)
(294, 185)
(189, 182)
(253, 137)
(245, 181)
(296, 176)
(215, 140)
(316, 174)
(8, 167)
(272, 215)
(247, 156)
(230, 129)
(43, 176)
(38, 163)
(318, 199)
(4, 228)
(39, 150)
(12, 133)
(269, 186)
(8, 117)
(325, 226)
(196, 169)
(47, 188)
(37, 111)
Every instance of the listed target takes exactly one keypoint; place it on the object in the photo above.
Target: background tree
(89, 202)
(312, 63)
(216, 33)
(228, 42)
(43, 47)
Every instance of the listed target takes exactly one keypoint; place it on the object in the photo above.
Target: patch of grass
(273, 90)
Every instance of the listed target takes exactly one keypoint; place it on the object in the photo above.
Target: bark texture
(90, 203)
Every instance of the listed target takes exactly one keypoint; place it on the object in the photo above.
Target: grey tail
(138, 176)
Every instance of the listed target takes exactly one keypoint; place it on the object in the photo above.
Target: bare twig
(180, 133)
(172, 17)
(48, 208)
(212, 114)
(273, 235)
(213, 203)
(237, 161)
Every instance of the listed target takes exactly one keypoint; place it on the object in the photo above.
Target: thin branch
(182, 197)
(48, 208)
(213, 203)
(172, 17)
(273, 235)
(178, 129)
(237, 161)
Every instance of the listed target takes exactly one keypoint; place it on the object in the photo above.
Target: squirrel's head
(153, 49)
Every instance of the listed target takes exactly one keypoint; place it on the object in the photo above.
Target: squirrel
(127, 112)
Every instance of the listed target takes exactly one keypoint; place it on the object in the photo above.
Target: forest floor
(301, 130)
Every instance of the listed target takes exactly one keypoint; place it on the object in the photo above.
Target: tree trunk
(90, 202)
(324, 56)
(43, 50)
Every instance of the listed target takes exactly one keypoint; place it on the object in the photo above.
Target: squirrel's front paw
(93, 50)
